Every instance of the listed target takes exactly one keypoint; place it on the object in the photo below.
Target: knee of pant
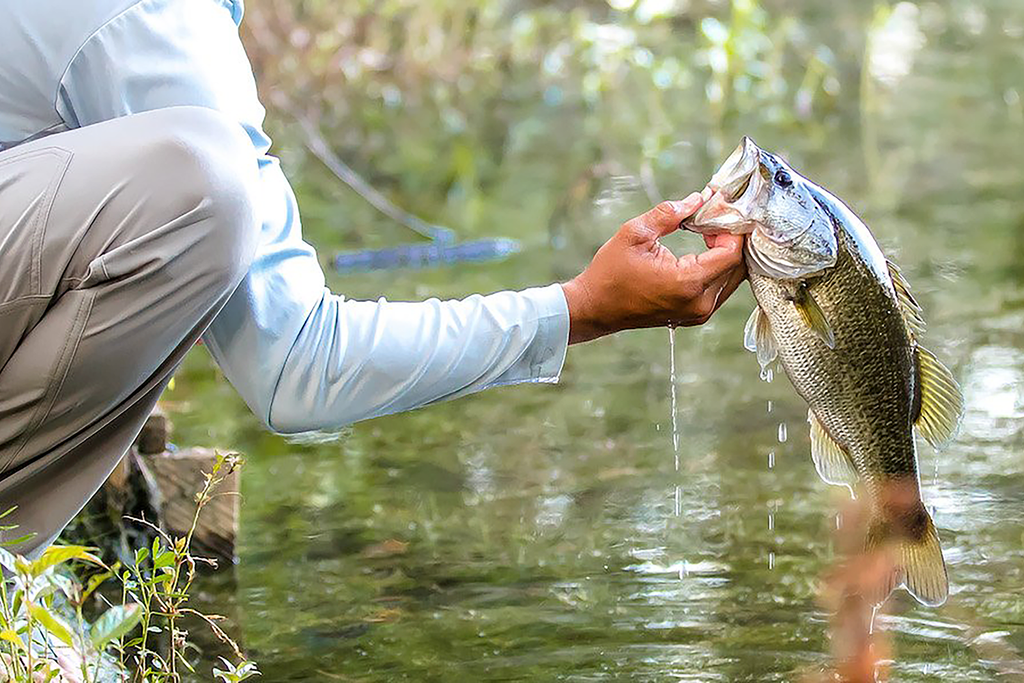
(209, 166)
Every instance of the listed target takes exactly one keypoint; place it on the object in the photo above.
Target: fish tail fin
(910, 544)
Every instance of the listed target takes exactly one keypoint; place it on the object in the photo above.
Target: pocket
(36, 373)
(29, 180)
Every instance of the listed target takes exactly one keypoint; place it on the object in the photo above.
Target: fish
(846, 328)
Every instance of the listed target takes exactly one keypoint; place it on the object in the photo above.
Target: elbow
(296, 414)
(286, 417)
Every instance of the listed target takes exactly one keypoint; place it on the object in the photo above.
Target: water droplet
(771, 459)
(672, 381)
(769, 405)
(783, 432)
(678, 506)
(839, 521)
(771, 560)
(771, 521)
(767, 375)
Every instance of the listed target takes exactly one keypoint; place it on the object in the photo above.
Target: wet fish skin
(844, 325)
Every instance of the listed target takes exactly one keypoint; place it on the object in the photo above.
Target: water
(517, 509)
(672, 391)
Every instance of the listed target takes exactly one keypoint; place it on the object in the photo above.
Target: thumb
(663, 219)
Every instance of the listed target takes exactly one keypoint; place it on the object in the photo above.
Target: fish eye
(782, 178)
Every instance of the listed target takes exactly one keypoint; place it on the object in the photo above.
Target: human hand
(634, 281)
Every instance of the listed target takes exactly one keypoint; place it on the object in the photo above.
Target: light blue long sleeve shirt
(302, 357)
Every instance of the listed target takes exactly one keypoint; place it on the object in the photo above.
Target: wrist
(584, 320)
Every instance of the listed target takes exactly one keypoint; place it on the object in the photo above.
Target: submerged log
(157, 483)
(180, 475)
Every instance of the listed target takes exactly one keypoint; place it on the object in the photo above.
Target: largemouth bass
(844, 324)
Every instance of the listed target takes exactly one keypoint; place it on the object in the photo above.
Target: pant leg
(126, 237)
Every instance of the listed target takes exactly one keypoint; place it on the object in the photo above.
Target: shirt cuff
(543, 359)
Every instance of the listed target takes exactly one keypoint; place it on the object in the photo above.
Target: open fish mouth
(737, 186)
(733, 177)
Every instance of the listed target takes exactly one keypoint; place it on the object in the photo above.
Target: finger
(714, 289)
(718, 239)
(663, 219)
(725, 256)
(732, 282)
(714, 239)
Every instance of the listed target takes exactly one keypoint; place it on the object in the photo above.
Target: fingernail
(706, 193)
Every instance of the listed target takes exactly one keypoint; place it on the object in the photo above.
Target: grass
(44, 632)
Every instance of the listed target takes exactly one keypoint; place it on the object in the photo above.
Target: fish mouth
(736, 187)
(733, 177)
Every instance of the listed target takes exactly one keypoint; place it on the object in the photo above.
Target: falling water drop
(769, 406)
(672, 381)
(677, 507)
(771, 560)
(783, 433)
(767, 375)
(771, 520)
(771, 460)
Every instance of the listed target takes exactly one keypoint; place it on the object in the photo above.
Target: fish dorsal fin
(941, 403)
(833, 464)
(913, 314)
(757, 337)
(812, 316)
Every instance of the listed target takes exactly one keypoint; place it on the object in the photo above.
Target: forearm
(357, 359)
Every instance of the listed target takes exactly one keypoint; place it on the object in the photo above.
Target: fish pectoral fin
(757, 337)
(913, 314)
(941, 402)
(916, 560)
(812, 316)
(833, 464)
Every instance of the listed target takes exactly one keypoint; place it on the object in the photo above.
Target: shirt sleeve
(302, 357)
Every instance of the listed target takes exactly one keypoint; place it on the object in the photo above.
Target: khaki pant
(119, 243)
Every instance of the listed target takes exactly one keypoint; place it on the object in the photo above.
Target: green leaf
(19, 540)
(12, 637)
(93, 583)
(115, 622)
(163, 559)
(54, 624)
(57, 554)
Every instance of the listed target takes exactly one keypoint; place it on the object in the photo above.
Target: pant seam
(43, 220)
(63, 366)
(40, 221)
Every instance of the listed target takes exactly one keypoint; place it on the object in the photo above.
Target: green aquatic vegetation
(45, 632)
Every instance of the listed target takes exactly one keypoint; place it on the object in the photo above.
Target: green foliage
(44, 634)
(442, 106)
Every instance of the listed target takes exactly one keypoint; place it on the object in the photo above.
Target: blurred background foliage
(443, 104)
